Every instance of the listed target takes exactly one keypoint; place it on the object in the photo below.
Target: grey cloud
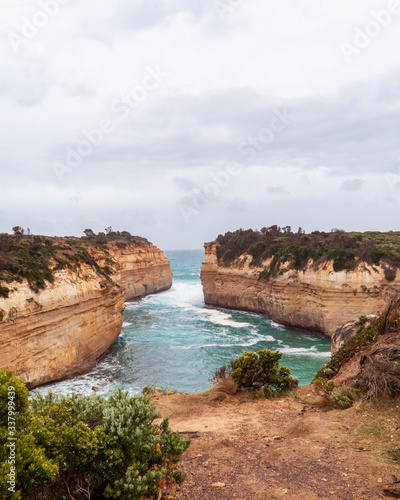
(343, 134)
(146, 14)
(183, 184)
(276, 190)
(352, 185)
(345, 130)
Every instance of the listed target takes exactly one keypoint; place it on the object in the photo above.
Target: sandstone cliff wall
(64, 330)
(144, 269)
(315, 299)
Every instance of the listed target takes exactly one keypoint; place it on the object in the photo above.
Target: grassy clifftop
(35, 257)
(295, 250)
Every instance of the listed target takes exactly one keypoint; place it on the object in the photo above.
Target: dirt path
(265, 449)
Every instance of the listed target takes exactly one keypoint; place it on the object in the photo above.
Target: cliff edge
(60, 327)
(307, 293)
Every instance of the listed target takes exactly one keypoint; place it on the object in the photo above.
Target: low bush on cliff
(342, 398)
(122, 238)
(86, 446)
(4, 291)
(295, 250)
(254, 370)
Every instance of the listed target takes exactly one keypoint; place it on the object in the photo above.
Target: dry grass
(381, 379)
(226, 386)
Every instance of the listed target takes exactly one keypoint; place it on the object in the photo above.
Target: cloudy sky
(181, 119)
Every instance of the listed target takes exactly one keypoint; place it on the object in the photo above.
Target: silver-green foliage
(115, 447)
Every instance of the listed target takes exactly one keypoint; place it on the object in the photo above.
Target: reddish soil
(293, 448)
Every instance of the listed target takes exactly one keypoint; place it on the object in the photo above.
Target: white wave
(125, 324)
(256, 338)
(132, 305)
(276, 325)
(304, 351)
(77, 386)
(265, 338)
(179, 295)
(216, 317)
(201, 346)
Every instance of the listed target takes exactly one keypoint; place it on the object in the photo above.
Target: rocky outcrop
(315, 299)
(63, 330)
(347, 332)
(385, 350)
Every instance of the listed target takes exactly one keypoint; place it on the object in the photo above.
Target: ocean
(173, 340)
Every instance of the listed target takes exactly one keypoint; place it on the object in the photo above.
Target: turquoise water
(175, 341)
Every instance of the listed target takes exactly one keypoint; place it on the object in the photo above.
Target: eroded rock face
(64, 330)
(347, 332)
(314, 299)
(144, 269)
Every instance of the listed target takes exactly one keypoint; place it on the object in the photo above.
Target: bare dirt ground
(293, 448)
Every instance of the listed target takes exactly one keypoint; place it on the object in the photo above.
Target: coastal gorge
(62, 299)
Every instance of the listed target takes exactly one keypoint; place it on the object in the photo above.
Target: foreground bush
(88, 446)
(254, 370)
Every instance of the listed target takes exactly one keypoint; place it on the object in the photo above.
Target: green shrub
(152, 390)
(323, 386)
(253, 370)
(341, 398)
(108, 447)
(4, 291)
(31, 467)
(342, 259)
(376, 254)
(344, 397)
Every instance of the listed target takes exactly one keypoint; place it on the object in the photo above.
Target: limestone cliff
(144, 269)
(315, 298)
(64, 329)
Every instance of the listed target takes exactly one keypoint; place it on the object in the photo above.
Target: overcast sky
(179, 120)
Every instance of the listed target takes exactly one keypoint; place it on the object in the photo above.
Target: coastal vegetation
(36, 258)
(255, 370)
(297, 250)
(84, 447)
(380, 365)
